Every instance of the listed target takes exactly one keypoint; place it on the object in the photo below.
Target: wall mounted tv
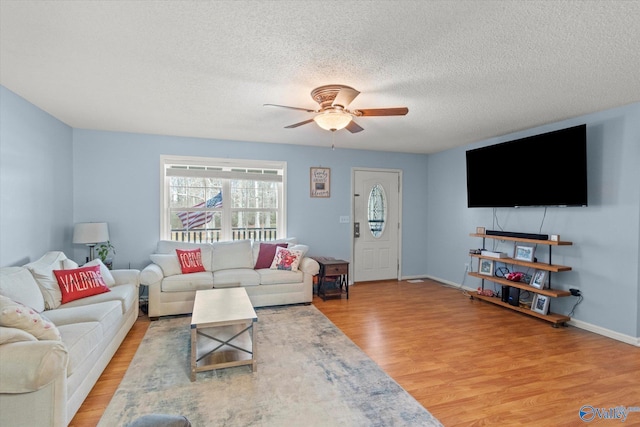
(542, 170)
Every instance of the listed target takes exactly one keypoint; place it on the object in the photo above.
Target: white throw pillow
(42, 270)
(286, 259)
(16, 315)
(18, 284)
(104, 271)
(168, 263)
(302, 248)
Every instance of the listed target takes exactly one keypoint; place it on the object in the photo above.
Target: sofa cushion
(169, 247)
(104, 271)
(16, 315)
(126, 295)
(267, 253)
(9, 335)
(286, 259)
(80, 339)
(235, 277)
(168, 263)
(18, 284)
(106, 313)
(42, 270)
(80, 283)
(190, 260)
(187, 282)
(274, 277)
(236, 254)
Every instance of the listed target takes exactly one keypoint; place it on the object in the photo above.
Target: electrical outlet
(344, 219)
(466, 266)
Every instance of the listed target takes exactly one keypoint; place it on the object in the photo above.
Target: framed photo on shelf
(485, 266)
(540, 304)
(539, 278)
(523, 253)
(320, 182)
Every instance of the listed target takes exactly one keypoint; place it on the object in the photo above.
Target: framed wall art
(538, 279)
(540, 304)
(485, 266)
(523, 253)
(320, 182)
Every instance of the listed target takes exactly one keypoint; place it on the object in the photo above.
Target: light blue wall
(606, 235)
(36, 179)
(52, 176)
(117, 180)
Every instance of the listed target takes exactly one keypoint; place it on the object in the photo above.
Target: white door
(376, 226)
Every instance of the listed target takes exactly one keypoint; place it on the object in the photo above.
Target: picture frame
(320, 182)
(540, 304)
(539, 278)
(523, 253)
(485, 267)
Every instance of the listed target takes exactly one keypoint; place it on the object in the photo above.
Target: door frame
(352, 267)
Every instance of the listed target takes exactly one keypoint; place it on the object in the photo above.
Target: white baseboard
(573, 322)
(605, 332)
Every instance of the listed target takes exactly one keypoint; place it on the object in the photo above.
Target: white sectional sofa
(49, 366)
(226, 264)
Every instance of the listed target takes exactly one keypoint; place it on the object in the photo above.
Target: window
(377, 210)
(208, 200)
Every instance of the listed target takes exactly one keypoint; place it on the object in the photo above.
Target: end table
(332, 272)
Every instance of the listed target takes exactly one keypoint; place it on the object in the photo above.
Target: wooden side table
(333, 278)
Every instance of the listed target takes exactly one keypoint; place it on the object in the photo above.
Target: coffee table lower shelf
(222, 347)
(555, 319)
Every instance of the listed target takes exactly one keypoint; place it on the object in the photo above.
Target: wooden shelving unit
(555, 319)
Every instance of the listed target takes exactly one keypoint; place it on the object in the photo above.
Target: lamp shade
(90, 232)
(333, 120)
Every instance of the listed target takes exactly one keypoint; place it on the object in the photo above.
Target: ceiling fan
(333, 113)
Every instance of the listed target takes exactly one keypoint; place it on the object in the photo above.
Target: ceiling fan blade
(353, 127)
(291, 108)
(345, 96)
(295, 125)
(401, 111)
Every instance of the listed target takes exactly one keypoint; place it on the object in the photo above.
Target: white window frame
(166, 161)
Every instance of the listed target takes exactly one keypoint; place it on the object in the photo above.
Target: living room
(54, 174)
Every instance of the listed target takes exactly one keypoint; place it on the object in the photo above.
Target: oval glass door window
(377, 210)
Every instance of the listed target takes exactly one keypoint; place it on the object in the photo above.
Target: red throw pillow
(80, 283)
(190, 261)
(266, 254)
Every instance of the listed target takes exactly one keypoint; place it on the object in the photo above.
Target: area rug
(309, 374)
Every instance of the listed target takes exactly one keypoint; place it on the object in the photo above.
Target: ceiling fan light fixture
(332, 120)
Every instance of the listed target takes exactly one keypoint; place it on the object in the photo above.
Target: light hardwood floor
(468, 362)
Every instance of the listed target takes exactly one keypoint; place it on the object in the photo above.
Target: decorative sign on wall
(320, 182)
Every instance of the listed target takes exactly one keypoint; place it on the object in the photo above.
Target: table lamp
(90, 233)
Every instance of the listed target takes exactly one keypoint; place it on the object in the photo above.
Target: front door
(376, 226)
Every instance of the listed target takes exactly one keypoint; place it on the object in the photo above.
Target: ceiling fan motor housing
(325, 95)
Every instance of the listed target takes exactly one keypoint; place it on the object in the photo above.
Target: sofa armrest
(28, 366)
(309, 266)
(126, 277)
(151, 274)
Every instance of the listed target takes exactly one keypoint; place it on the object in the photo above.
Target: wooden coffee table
(222, 330)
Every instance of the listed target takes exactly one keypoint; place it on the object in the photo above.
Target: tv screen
(542, 170)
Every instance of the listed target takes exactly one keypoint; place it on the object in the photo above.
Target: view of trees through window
(230, 204)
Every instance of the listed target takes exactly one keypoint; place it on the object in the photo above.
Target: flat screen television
(549, 169)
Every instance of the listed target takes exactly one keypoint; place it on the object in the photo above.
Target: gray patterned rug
(309, 374)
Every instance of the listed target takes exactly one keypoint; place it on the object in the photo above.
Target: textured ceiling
(467, 70)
